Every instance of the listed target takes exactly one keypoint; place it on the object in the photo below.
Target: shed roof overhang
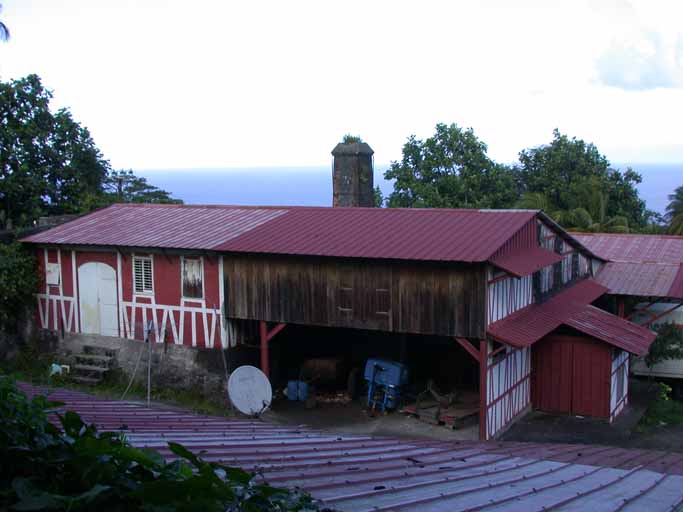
(525, 261)
(572, 308)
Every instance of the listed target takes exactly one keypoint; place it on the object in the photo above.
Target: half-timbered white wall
(619, 383)
(508, 389)
(505, 296)
(173, 318)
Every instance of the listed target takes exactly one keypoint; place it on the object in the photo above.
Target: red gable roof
(634, 248)
(642, 279)
(572, 307)
(387, 233)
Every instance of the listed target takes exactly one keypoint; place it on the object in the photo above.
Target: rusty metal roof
(634, 248)
(572, 307)
(523, 262)
(642, 279)
(363, 473)
(387, 233)
(640, 265)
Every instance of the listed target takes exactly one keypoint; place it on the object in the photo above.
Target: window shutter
(142, 275)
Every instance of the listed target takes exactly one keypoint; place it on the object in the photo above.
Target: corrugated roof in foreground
(572, 307)
(387, 233)
(363, 473)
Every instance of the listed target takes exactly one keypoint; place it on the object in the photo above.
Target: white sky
(171, 84)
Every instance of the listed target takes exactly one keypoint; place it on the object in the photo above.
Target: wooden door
(591, 378)
(570, 375)
(98, 299)
(552, 375)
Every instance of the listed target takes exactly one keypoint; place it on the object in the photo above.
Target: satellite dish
(249, 390)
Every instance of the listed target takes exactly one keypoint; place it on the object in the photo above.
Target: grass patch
(662, 411)
(31, 365)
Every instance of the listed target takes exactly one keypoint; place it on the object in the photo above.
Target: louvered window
(142, 274)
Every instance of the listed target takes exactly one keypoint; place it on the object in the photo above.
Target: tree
(571, 174)
(4, 31)
(48, 162)
(18, 283)
(450, 170)
(667, 345)
(125, 187)
(674, 212)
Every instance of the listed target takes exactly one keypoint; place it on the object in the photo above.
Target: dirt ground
(353, 419)
(541, 427)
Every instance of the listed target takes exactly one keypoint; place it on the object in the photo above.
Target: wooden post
(266, 336)
(483, 371)
(265, 355)
(620, 307)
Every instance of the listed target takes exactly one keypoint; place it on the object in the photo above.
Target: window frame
(150, 258)
(182, 281)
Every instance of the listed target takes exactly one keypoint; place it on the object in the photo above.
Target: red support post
(265, 354)
(266, 336)
(483, 371)
(620, 307)
(468, 346)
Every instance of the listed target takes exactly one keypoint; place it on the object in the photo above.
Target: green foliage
(18, 284)
(49, 163)
(82, 469)
(378, 197)
(667, 345)
(351, 139)
(662, 410)
(674, 212)
(450, 170)
(125, 187)
(571, 174)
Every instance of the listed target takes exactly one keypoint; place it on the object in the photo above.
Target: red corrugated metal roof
(167, 226)
(634, 248)
(572, 308)
(611, 329)
(641, 265)
(363, 473)
(523, 262)
(642, 279)
(415, 234)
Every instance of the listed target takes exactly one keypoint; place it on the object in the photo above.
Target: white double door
(97, 298)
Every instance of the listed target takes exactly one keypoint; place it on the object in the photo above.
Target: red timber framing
(653, 316)
(504, 385)
(620, 366)
(267, 335)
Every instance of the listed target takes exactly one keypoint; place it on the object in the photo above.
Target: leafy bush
(44, 468)
(18, 284)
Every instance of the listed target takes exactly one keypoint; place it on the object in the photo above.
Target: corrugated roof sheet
(641, 265)
(611, 329)
(167, 226)
(634, 248)
(572, 307)
(523, 262)
(363, 473)
(415, 234)
(642, 279)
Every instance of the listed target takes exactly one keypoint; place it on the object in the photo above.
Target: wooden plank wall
(409, 297)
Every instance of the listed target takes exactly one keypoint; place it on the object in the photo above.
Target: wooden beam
(483, 371)
(266, 336)
(468, 346)
(655, 318)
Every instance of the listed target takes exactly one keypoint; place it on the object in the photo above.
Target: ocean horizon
(312, 185)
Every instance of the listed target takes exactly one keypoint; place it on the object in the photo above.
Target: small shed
(580, 354)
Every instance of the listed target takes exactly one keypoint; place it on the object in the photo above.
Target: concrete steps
(92, 364)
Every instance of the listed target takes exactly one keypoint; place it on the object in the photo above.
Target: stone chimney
(352, 178)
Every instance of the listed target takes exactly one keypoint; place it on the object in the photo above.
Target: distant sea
(312, 186)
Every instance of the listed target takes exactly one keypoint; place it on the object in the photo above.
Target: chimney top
(353, 148)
